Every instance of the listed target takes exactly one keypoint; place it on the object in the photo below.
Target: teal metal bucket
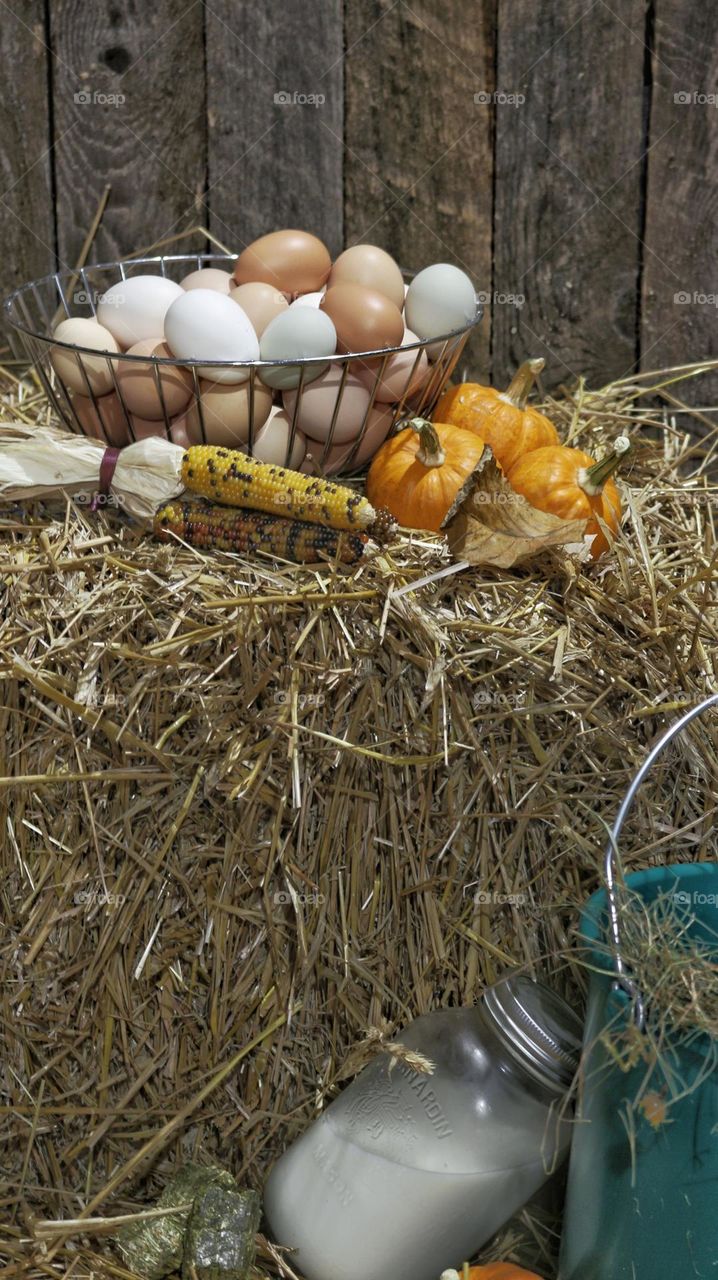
(647, 1210)
(642, 1196)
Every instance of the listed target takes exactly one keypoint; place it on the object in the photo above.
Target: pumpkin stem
(430, 452)
(592, 479)
(521, 385)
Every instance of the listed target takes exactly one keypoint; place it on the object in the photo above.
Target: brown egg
(364, 319)
(106, 422)
(138, 386)
(260, 303)
(371, 267)
(404, 373)
(338, 457)
(208, 278)
(292, 261)
(271, 442)
(225, 410)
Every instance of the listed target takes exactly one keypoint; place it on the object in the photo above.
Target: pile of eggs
(284, 301)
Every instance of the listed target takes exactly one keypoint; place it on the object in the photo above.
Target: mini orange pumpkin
(420, 473)
(503, 419)
(569, 483)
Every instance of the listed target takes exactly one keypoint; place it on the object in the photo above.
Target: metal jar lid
(538, 1028)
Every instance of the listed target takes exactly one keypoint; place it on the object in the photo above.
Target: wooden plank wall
(564, 153)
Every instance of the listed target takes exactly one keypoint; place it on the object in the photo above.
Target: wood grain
(418, 158)
(25, 173)
(275, 109)
(129, 109)
(567, 219)
(680, 284)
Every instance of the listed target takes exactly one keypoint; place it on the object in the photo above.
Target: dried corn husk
(42, 462)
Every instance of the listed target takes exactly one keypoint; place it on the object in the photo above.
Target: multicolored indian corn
(232, 477)
(221, 529)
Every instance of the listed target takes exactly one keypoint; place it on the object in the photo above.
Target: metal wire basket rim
(56, 276)
(613, 866)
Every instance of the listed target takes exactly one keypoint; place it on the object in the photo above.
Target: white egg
(295, 334)
(135, 308)
(205, 325)
(439, 299)
(308, 299)
(272, 441)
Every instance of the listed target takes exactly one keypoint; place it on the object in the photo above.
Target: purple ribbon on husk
(107, 471)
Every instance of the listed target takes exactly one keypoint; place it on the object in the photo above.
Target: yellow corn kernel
(230, 476)
(221, 529)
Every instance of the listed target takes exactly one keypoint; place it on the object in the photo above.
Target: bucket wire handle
(614, 870)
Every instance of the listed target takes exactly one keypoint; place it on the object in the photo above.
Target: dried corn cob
(231, 477)
(222, 529)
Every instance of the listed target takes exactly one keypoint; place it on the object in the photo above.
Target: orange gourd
(492, 1271)
(420, 473)
(503, 419)
(569, 483)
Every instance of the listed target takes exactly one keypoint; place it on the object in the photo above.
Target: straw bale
(255, 815)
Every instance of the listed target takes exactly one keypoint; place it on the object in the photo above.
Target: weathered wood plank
(129, 109)
(567, 221)
(418, 164)
(28, 240)
(680, 284)
(275, 108)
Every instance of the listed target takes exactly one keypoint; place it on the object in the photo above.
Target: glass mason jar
(406, 1174)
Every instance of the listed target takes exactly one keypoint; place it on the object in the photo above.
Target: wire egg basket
(34, 311)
